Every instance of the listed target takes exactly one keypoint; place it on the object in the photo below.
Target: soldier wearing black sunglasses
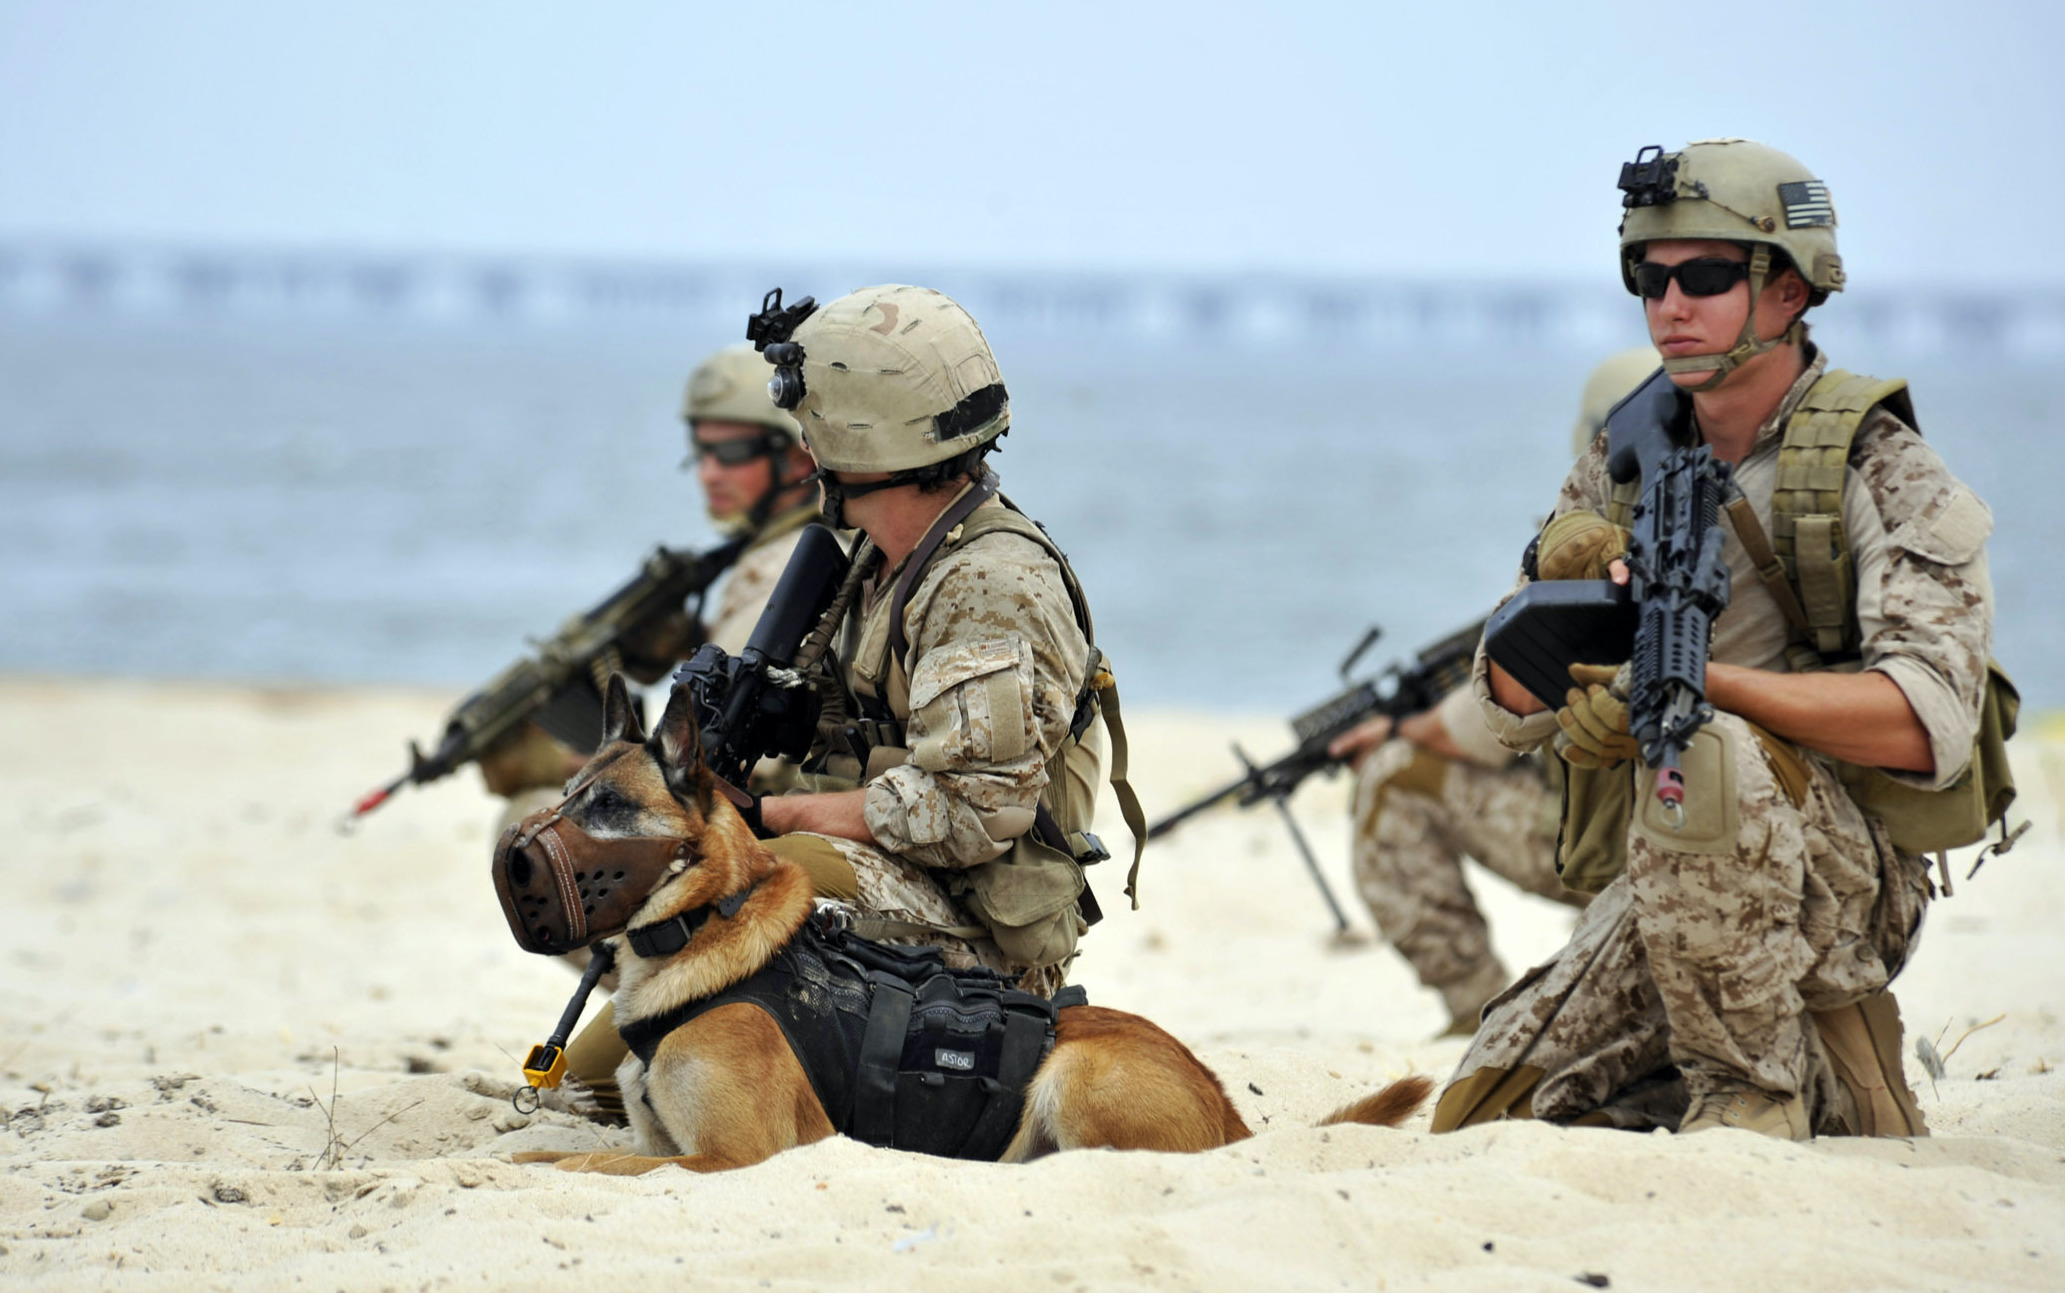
(1734, 972)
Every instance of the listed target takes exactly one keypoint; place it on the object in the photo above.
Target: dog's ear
(619, 713)
(680, 739)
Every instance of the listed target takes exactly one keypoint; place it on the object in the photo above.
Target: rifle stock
(558, 685)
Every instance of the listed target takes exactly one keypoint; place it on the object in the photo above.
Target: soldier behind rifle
(1734, 971)
(755, 477)
(1438, 786)
(984, 718)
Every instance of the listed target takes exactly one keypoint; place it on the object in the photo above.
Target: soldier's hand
(1594, 718)
(1355, 744)
(1579, 545)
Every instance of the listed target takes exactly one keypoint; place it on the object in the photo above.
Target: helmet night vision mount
(769, 331)
(1650, 180)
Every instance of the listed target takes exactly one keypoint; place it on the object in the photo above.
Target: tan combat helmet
(1735, 191)
(1612, 381)
(894, 378)
(731, 386)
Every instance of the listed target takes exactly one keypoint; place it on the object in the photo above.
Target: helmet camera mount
(1651, 180)
(769, 331)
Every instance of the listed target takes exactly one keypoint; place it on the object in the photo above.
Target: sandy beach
(240, 1050)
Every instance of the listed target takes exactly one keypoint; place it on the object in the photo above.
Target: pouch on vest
(1930, 821)
(1028, 900)
(1598, 806)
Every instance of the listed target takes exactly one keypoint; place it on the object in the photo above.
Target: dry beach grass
(196, 962)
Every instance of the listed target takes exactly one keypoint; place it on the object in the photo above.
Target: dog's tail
(1388, 1107)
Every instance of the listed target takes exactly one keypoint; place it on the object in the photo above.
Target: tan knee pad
(831, 875)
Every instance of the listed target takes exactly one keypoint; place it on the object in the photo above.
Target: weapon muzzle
(562, 888)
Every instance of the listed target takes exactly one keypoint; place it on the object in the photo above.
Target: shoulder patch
(1951, 534)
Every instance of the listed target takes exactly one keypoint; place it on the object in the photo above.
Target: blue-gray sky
(1473, 139)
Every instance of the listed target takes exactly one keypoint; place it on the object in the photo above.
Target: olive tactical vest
(1033, 898)
(1806, 566)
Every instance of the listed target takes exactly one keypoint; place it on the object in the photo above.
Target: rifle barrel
(379, 797)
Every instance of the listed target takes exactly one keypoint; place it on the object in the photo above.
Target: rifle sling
(1750, 533)
(977, 493)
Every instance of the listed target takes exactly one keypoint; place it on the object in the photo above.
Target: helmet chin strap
(837, 492)
(1747, 346)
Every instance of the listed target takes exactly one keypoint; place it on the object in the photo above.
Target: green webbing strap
(1620, 507)
(881, 1052)
(1129, 803)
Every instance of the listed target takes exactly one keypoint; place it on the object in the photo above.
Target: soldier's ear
(620, 713)
(680, 739)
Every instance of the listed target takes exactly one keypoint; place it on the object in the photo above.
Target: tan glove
(1578, 545)
(1594, 718)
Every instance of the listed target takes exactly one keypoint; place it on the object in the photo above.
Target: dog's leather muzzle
(562, 888)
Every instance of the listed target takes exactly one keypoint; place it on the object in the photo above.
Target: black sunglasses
(733, 453)
(1708, 276)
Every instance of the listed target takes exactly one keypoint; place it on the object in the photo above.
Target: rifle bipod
(545, 1066)
(1290, 821)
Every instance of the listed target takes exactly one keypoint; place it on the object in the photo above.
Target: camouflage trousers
(1416, 817)
(1699, 968)
(898, 892)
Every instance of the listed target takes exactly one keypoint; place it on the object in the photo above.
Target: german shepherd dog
(726, 1091)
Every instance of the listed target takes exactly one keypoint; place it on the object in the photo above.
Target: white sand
(193, 958)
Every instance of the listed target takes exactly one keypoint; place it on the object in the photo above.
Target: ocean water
(343, 500)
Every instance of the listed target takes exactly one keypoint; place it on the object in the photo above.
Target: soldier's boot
(1748, 1109)
(1863, 1044)
(1466, 997)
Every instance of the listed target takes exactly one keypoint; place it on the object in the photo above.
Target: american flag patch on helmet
(1806, 204)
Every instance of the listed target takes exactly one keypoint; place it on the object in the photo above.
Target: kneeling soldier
(1733, 971)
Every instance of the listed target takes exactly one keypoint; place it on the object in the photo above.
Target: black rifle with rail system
(1662, 620)
(559, 685)
(760, 703)
(1403, 689)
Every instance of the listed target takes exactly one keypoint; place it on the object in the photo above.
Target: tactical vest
(1034, 899)
(1806, 566)
(901, 1051)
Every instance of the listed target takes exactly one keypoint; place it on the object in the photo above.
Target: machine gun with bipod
(1403, 689)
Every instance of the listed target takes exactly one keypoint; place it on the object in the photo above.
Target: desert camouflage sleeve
(996, 662)
(1587, 486)
(1924, 598)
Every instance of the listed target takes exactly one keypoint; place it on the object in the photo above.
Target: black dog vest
(901, 1051)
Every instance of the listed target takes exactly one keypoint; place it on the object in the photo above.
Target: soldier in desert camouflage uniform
(1437, 787)
(1734, 974)
(978, 699)
(755, 478)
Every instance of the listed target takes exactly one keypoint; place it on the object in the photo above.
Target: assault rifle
(1400, 691)
(759, 703)
(1678, 584)
(559, 685)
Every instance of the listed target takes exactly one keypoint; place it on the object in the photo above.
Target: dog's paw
(546, 1155)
